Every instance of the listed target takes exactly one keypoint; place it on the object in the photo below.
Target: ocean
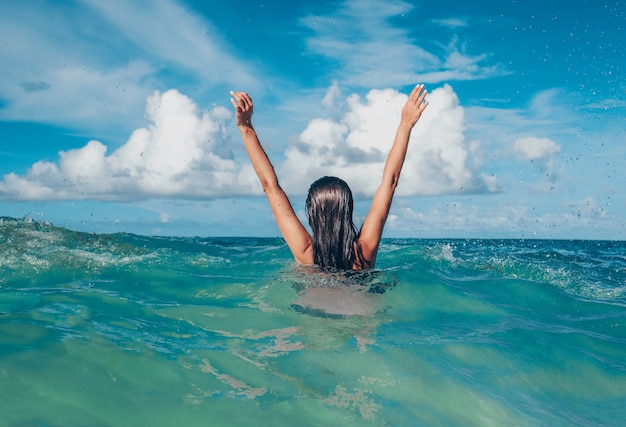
(128, 330)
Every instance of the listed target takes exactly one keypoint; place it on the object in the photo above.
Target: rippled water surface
(111, 330)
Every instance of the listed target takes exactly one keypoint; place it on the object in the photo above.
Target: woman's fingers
(422, 96)
(418, 96)
(420, 100)
(241, 99)
(415, 105)
(243, 107)
(416, 93)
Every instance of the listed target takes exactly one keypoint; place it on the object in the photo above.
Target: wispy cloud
(370, 51)
(451, 22)
(172, 35)
(34, 86)
(93, 64)
(520, 217)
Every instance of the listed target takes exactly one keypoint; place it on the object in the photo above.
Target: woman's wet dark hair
(329, 207)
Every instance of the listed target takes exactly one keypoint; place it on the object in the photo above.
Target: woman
(334, 242)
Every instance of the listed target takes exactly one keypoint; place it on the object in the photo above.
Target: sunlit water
(123, 330)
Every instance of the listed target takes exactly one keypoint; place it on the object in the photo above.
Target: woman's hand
(414, 106)
(243, 108)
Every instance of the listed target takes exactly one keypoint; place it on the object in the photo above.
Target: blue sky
(115, 116)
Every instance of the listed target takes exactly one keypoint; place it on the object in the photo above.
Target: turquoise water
(124, 330)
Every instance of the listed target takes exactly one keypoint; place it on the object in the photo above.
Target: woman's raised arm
(372, 229)
(297, 237)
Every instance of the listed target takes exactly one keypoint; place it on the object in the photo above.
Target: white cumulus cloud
(533, 148)
(354, 147)
(183, 152)
(541, 152)
(176, 155)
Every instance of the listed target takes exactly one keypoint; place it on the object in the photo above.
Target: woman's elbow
(270, 186)
(391, 183)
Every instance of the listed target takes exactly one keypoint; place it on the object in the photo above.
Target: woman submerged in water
(334, 242)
